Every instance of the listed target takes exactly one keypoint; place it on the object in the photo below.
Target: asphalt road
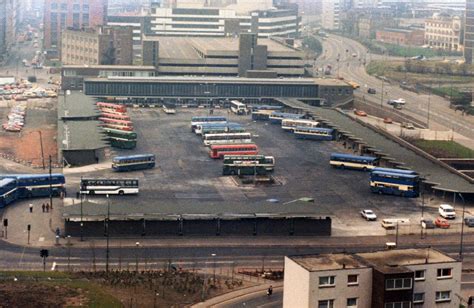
(420, 106)
(257, 300)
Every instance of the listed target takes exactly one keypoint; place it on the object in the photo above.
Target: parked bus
(117, 124)
(277, 117)
(112, 106)
(268, 162)
(394, 183)
(133, 162)
(8, 192)
(199, 128)
(37, 185)
(353, 84)
(219, 150)
(266, 107)
(238, 107)
(210, 119)
(227, 138)
(222, 129)
(353, 161)
(244, 168)
(314, 133)
(109, 186)
(117, 133)
(122, 143)
(291, 124)
(392, 170)
(115, 116)
(262, 115)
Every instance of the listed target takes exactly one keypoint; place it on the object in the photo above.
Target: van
(446, 211)
(391, 223)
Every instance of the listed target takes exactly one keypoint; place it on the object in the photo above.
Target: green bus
(117, 133)
(122, 143)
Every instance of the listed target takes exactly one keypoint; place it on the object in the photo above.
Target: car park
(442, 223)
(392, 223)
(446, 211)
(427, 224)
(368, 215)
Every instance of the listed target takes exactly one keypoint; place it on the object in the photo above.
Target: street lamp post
(107, 250)
(214, 268)
(41, 146)
(82, 222)
(462, 226)
(137, 244)
(429, 107)
(50, 183)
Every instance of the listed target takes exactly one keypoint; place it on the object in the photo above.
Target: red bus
(110, 106)
(117, 124)
(219, 150)
(115, 116)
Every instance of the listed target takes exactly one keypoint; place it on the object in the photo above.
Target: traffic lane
(258, 299)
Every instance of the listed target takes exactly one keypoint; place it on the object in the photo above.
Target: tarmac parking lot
(187, 181)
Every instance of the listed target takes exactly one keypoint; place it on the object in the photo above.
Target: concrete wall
(296, 285)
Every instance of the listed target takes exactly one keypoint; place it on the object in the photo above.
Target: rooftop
(80, 135)
(327, 262)
(112, 67)
(76, 105)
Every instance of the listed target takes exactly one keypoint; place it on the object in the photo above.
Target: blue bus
(133, 162)
(393, 183)
(313, 133)
(276, 117)
(353, 161)
(208, 119)
(37, 185)
(401, 171)
(8, 192)
(201, 127)
(265, 107)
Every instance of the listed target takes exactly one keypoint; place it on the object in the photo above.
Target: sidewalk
(219, 300)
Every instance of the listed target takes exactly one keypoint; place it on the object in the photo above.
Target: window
(398, 283)
(418, 298)
(443, 296)
(352, 302)
(444, 273)
(352, 279)
(398, 305)
(327, 281)
(328, 303)
(419, 275)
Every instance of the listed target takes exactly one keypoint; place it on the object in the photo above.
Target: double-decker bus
(244, 168)
(200, 127)
(237, 128)
(111, 106)
(277, 117)
(393, 182)
(115, 116)
(117, 133)
(314, 133)
(8, 192)
(37, 185)
(121, 139)
(291, 124)
(220, 150)
(209, 119)
(133, 162)
(109, 186)
(353, 162)
(227, 138)
(238, 107)
(268, 162)
(117, 124)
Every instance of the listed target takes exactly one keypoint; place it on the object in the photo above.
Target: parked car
(469, 221)
(387, 120)
(427, 224)
(368, 215)
(408, 125)
(371, 91)
(446, 211)
(442, 223)
(360, 113)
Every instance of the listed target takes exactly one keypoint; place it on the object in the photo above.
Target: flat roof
(327, 262)
(76, 105)
(80, 135)
(112, 67)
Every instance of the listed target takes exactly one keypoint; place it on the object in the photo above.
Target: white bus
(109, 186)
(291, 124)
(227, 138)
(238, 107)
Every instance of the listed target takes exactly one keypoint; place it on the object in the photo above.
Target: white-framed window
(352, 280)
(418, 298)
(327, 303)
(352, 302)
(444, 273)
(398, 305)
(419, 275)
(398, 283)
(443, 296)
(327, 281)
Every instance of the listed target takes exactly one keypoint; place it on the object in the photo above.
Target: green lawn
(444, 149)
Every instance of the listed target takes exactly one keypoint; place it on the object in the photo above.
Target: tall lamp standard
(107, 249)
(462, 225)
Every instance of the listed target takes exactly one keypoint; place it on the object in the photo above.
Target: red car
(360, 113)
(387, 120)
(442, 223)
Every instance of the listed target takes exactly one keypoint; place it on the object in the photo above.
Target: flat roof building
(390, 278)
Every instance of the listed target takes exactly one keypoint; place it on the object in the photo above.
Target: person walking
(47, 207)
(43, 207)
(31, 208)
(270, 291)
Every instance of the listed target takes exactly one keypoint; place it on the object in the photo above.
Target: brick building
(414, 37)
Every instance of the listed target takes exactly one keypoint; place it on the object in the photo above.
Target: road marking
(270, 303)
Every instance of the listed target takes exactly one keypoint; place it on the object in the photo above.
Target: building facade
(400, 36)
(330, 14)
(10, 19)
(469, 32)
(390, 278)
(60, 15)
(136, 22)
(443, 32)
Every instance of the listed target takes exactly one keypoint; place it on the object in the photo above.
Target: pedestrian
(47, 207)
(270, 291)
(43, 207)
(31, 208)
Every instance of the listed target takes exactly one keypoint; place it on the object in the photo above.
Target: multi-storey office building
(388, 279)
(443, 31)
(469, 32)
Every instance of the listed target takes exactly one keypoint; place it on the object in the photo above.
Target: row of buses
(117, 125)
(387, 181)
(230, 141)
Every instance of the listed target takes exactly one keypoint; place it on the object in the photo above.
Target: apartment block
(330, 14)
(391, 278)
(469, 32)
(443, 31)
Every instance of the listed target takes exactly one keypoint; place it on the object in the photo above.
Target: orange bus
(110, 106)
(117, 124)
(219, 150)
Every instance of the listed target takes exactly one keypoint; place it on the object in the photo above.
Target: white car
(368, 215)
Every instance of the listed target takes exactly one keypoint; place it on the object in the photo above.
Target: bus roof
(287, 115)
(229, 134)
(133, 156)
(300, 120)
(232, 146)
(112, 130)
(314, 129)
(210, 124)
(115, 121)
(341, 155)
(267, 107)
(407, 176)
(391, 170)
(194, 119)
(26, 176)
(6, 181)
